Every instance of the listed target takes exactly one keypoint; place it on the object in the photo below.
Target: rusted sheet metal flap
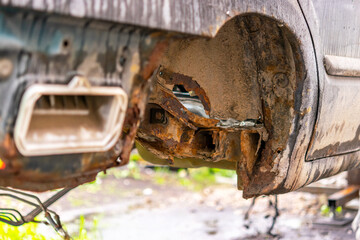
(342, 66)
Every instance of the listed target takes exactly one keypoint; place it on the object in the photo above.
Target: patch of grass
(325, 211)
(202, 175)
(223, 172)
(135, 157)
(162, 175)
(87, 233)
(197, 179)
(35, 231)
(193, 179)
(82, 229)
(160, 180)
(28, 231)
(131, 170)
(92, 187)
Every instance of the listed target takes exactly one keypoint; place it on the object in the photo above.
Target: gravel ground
(126, 208)
(139, 209)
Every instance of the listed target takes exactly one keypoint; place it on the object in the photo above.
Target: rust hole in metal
(190, 100)
(205, 141)
(186, 84)
(157, 115)
(65, 43)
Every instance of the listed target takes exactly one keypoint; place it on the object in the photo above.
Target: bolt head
(281, 80)
(159, 116)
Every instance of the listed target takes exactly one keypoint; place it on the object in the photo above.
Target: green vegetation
(194, 179)
(131, 170)
(325, 211)
(34, 231)
(25, 232)
(84, 234)
(199, 178)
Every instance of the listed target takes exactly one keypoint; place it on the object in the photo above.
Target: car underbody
(234, 85)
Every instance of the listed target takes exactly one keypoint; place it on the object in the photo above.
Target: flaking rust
(140, 92)
(183, 134)
(253, 68)
(248, 99)
(249, 142)
(189, 84)
(126, 58)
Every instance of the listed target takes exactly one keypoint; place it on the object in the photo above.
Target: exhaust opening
(74, 118)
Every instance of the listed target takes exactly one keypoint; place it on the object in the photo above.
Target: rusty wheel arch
(250, 74)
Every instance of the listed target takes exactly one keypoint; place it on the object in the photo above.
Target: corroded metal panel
(52, 50)
(200, 17)
(281, 168)
(336, 33)
(288, 115)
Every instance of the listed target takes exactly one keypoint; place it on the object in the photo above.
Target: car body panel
(316, 106)
(337, 30)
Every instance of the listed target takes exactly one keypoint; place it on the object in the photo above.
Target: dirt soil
(140, 209)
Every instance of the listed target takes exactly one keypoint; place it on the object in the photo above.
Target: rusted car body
(270, 89)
